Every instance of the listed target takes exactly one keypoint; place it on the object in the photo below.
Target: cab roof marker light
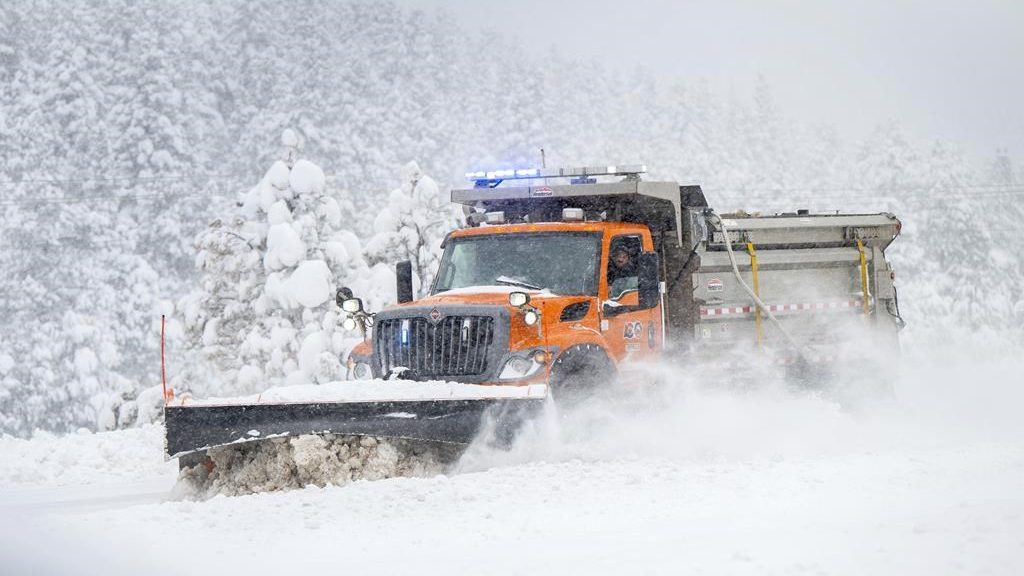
(496, 174)
(572, 214)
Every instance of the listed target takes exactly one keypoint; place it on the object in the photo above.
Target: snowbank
(311, 460)
(84, 458)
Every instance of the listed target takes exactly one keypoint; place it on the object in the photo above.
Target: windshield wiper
(516, 282)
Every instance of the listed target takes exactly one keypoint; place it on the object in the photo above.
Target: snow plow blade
(198, 428)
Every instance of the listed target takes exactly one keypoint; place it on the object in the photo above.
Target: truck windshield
(561, 262)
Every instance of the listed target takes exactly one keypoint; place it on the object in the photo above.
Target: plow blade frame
(197, 428)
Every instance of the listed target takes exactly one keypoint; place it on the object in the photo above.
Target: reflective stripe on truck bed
(749, 309)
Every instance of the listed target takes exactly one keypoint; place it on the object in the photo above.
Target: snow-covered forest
(130, 150)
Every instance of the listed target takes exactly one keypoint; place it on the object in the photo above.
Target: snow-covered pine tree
(9, 30)
(412, 226)
(1004, 218)
(264, 314)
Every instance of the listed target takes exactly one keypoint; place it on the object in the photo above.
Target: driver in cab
(622, 272)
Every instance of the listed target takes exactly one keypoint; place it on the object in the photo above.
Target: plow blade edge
(198, 428)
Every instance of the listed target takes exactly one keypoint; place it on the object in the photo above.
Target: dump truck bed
(819, 275)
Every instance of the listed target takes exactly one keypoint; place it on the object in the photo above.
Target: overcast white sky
(946, 69)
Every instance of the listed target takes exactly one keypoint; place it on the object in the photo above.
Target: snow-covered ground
(758, 482)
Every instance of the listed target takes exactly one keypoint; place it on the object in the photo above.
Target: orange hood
(493, 295)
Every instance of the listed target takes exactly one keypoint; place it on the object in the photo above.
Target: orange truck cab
(572, 277)
(513, 302)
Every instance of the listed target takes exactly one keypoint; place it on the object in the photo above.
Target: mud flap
(193, 429)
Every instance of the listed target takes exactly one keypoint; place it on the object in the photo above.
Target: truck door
(632, 333)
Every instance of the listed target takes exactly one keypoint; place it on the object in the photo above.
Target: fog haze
(947, 70)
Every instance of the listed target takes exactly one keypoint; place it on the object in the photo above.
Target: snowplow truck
(567, 280)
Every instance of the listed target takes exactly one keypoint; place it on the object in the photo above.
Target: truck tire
(579, 373)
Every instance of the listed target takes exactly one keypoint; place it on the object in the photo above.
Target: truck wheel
(579, 373)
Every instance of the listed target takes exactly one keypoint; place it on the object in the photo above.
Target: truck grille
(453, 346)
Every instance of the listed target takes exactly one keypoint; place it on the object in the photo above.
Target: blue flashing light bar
(494, 176)
(504, 174)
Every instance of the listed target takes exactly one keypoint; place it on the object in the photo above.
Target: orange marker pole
(163, 361)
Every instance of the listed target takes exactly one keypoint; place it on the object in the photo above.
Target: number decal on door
(633, 330)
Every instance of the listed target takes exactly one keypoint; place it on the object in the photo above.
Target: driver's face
(620, 258)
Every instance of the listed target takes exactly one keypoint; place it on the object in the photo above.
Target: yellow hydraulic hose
(757, 292)
(864, 277)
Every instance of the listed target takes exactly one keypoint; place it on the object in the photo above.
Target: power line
(855, 195)
(839, 188)
(904, 190)
(169, 177)
(107, 197)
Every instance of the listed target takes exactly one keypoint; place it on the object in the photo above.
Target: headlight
(359, 368)
(531, 317)
(518, 367)
(348, 323)
(362, 371)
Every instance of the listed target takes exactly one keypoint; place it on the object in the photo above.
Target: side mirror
(403, 275)
(352, 305)
(344, 293)
(648, 280)
(518, 299)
